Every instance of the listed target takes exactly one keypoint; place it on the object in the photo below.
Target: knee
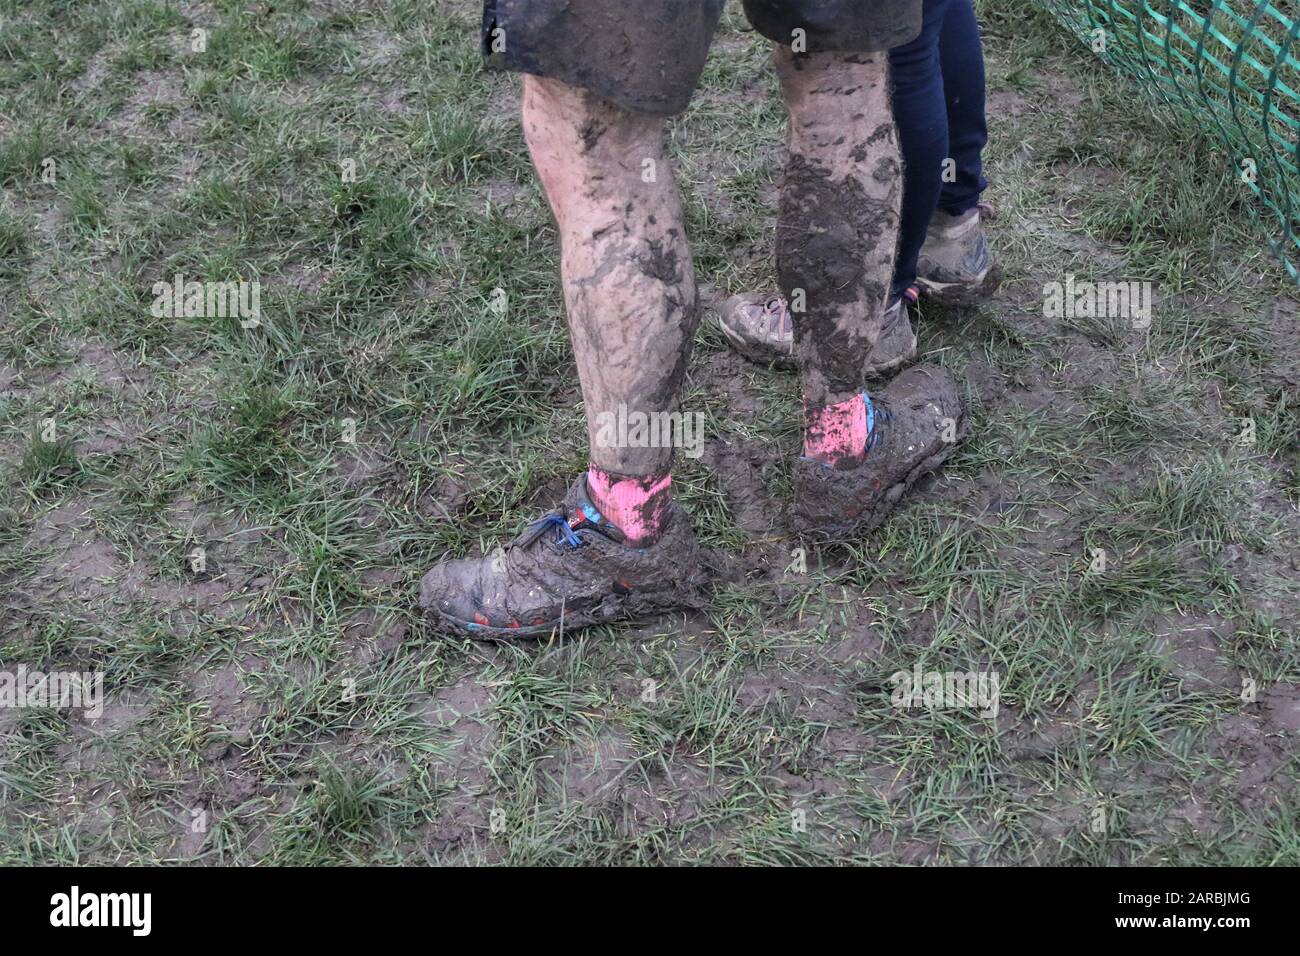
(582, 144)
(559, 116)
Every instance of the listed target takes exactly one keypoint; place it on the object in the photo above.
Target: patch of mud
(89, 568)
(863, 645)
(121, 713)
(670, 795)
(1193, 649)
(371, 632)
(1281, 707)
(1005, 103)
(1259, 745)
(110, 437)
(457, 706)
(65, 522)
(361, 467)
(985, 382)
(589, 771)
(151, 89)
(230, 705)
(460, 713)
(741, 467)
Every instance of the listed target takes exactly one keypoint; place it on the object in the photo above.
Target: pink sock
(836, 435)
(635, 505)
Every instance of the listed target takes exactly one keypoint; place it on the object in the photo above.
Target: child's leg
(923, 133)
(836, 234)
(961, 57)
(629, 288)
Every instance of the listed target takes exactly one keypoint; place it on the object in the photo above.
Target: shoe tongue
(776, 309)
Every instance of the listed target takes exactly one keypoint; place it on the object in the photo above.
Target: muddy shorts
(647, 55)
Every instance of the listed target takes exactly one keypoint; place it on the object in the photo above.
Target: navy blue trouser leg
(939, 110)
(961, 57)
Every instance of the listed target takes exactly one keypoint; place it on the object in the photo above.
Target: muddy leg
(629, 286)
(838, 226)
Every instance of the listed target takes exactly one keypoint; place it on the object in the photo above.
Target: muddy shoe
(896, 346)
(759, 327)
(913, 426)
(570, 566)
(956, 266)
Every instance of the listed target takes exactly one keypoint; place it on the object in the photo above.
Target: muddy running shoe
(913, 426)
(759, 327)
(570, 566)
(956, 266)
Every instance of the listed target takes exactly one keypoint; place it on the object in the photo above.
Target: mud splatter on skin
(887, 170)
(634, 349)
(681, 303)
(605, 230)
(591, 133)
(827, 230)
(883, 132)
(824, 229)
(629, 286)
(661, 262)
(838, 220)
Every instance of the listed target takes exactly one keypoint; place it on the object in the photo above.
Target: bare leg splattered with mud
(629, 286)
(838, 225)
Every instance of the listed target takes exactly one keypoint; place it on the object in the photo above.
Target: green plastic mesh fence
(1232, 67)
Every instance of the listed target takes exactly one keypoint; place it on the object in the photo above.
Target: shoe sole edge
(624, 607)
(962, 293)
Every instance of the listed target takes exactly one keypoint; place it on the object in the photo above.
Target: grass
(409, 395)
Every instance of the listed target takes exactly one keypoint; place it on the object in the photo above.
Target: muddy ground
(283, 702)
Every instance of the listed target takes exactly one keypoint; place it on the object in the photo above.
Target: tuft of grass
(49, 466)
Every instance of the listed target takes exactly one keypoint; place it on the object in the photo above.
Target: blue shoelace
(560, 524)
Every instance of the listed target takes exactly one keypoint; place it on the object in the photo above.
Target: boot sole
(962, 293)
(611, 609)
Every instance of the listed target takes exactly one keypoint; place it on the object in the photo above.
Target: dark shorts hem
(837, 26)
(647, 57)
